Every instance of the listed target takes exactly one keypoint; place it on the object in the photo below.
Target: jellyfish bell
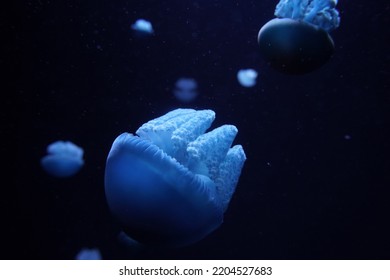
(294, 47)
(170, 184)
(129, 242)
(298, 41)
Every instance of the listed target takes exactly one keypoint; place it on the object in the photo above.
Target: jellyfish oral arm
(321, 13)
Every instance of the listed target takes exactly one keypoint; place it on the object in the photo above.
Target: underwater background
(316, 181)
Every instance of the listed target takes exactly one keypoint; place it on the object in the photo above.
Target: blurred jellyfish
(347, 137)
(247, 77)
(64, 159)
(298, 42)
(186, 89)
(88, 254)
(171, 183)
(142, 27)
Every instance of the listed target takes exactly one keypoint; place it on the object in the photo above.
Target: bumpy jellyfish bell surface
(171, 183)
(64, 159)
(247, 77)
(298, 42)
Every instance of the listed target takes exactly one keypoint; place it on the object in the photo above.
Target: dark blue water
(316, 181)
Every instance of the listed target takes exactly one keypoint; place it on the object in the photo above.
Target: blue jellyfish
(247, 77)
(88, 254)
(186, 90)
(298, 41)
(64, 159)
(170, 184)
(142, 27)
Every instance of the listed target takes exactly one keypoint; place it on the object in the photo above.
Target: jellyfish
(142, 27)
(298, 40)
(171, 183)
(186, 89)
(89, 254)
(64, 159)
(247, 77)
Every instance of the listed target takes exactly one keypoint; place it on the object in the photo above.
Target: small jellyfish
(64, 159)
(142, 27)
(186, 90)
(247, 77)
(298, 41)
(88, 254)
(170, 184)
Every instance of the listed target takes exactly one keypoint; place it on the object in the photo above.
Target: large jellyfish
(171, 183)
(298, 41)
(64, 159)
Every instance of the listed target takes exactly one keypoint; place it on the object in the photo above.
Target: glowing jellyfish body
(247, 77)
(171, 183)
(297, 41)
(142, 27)
(64, 159)
(186, 89)
(89, 254)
